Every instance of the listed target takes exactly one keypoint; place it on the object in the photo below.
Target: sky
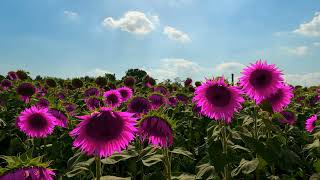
(167, 38)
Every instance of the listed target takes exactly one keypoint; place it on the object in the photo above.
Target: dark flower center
(26, 89)
(105, 126)
(275, 97)
(260, 78)
(6, 83)
(156, 99)
(139, 105)
(124, 93)
(93, 102)
(112, 99)
(220, 96)
(155, 126)
(288, 115)
(37, 122)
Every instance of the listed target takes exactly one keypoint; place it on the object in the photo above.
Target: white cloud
(98, 72)
(171, 68)
(300, 50)
(312, 28)
(306, 79)
(133, 22)
(176, 35)
(317, 44)
(230, 67)
(71, 14)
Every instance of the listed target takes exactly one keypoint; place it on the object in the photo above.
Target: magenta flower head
(289, 118)
(158, 129)
(161, 89)
(260, 80)
(104, 132)
(32, 173)
(51, 83)
(110, 85)
(139, 105)
(157, 100)
(12, 75)
(172, 101)
(112, 98)
(26, 90)
(197, 83)
(183, 98)
(126, 93)
(76, 83)
(91, 92)
(61, 118)
(310, 123)
(188, 82)
(61, 96)
(70, 108)
(218, 100)
(101, 81)
(280, 99)
(22, 75)
(41, 91)
(36, 122)
(6, 84)
(129, 81)
(43, 103)
(92, 103)
(149, 81)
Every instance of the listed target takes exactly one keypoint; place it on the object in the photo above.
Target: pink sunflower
(104, 132)
(280, 99)
(218, 100)
(310, 123)
(157, 130)
(260, 80)
(112, 98)
(126, 93)
(36, 122)
(62, 119)
(33, 173)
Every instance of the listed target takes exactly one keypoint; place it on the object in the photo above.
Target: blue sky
(167, 38)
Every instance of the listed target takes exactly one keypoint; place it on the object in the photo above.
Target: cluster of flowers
(106, 130)
(262, 82)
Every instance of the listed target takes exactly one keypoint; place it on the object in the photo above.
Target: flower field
(135, 127)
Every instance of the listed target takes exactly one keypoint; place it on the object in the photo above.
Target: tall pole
(232, 79)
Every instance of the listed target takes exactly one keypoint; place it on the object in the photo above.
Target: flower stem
(98, 167)
(225, 150)
(167, 163)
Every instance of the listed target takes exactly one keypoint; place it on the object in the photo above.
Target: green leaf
(115, 158)
(152, 160)
(315, 144)
(246, 167)
(114, 178)
(182, 151)
(205, 171)
(316, 165)
(184, 176)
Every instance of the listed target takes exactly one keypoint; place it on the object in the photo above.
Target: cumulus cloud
(317, 44)
(231, 67)
(176, 35)
(98, 72)
(300, 50)
(133, 22)
(306, 79)
(71, 14)
(171, 68)
(311, 28)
